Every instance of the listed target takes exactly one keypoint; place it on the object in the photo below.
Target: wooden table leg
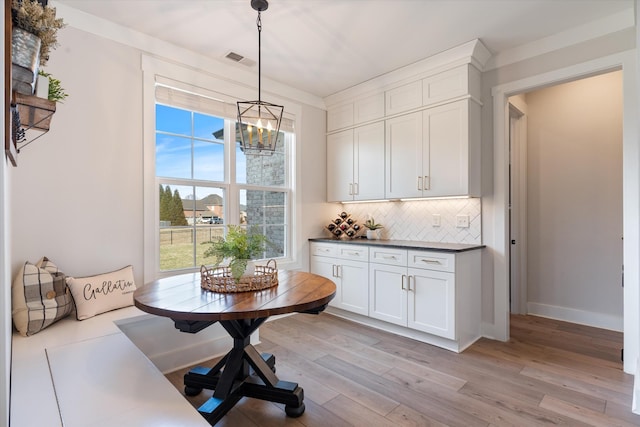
(242, 372)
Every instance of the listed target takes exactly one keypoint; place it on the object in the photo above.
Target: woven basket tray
(219, 279)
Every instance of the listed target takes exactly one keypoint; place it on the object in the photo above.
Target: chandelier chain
(259, 25)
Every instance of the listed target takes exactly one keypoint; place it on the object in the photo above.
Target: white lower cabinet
(418, 298)
(431, 301)
(348, 267)
(431, 296)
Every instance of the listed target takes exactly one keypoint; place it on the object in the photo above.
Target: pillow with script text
(105, 292)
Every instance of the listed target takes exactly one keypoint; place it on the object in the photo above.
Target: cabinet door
(368, 171)
(368, 108)
(340, 166)
(339, 117)
(326, 267)
(404, 156)
(387, 293)
(403, 98)
(431, 299)
(446, 130)
(353, 291)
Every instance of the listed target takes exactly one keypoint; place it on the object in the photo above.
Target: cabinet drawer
(359, 253)
(324, 249)
(439, 261)
(388, 256)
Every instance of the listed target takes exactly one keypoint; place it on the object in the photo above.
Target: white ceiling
(324, 46)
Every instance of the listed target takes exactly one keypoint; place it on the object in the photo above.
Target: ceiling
(325, 46)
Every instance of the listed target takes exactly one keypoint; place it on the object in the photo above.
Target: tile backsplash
(414, 220)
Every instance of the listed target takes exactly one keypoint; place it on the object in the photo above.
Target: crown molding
(473, 52)
(595, 29)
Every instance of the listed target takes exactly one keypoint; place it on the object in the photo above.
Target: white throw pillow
(105, 292)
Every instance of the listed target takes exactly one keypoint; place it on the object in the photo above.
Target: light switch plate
(462, 221)
(435, 220)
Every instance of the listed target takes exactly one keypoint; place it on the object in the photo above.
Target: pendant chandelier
(259, 121)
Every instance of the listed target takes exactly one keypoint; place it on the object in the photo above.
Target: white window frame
(219, 88)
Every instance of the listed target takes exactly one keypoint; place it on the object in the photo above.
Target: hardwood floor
(549, 373)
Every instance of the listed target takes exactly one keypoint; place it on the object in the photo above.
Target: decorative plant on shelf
(56, 91)
(31, 16)
(239, 247)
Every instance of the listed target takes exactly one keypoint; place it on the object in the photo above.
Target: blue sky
(173, 150)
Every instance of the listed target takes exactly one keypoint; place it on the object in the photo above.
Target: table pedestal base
(242, 372)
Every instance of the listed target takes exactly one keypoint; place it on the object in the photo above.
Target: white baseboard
(635, 403)
(597, 320)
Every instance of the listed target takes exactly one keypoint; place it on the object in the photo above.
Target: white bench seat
(88, 373)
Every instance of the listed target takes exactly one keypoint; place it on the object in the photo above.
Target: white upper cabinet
(403, 98)
(368, 108)
(429, 113)
(407, 162)
(460, 81)
(452, 134)
(434, 152)
(368, 143)
(362, 110)
(340, 166)
(340, 117)
(355, 169)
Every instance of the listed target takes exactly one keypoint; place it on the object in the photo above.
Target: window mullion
(232, 204)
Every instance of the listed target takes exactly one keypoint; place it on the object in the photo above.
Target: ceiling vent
(236, 57)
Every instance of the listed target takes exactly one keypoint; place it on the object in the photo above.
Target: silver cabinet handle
(389, 257)
(350, 189)
(356, 188)
(426, 182)
(402, 282)
(419, 183)
(431, 261)
(409, 282)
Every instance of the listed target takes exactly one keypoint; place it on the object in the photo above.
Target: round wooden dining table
(242, 371)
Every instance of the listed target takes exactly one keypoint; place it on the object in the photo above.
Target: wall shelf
(33, 113)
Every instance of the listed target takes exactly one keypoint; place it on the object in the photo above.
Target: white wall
(77, 191)
(574, 203)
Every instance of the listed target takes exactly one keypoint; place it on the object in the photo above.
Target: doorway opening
(565, 211)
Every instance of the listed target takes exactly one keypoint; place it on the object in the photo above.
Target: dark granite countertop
(403, 244)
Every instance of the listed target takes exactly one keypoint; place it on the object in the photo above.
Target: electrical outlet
(435, 220)
(462, 221)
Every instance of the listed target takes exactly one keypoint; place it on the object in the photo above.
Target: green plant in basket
(239, 246)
